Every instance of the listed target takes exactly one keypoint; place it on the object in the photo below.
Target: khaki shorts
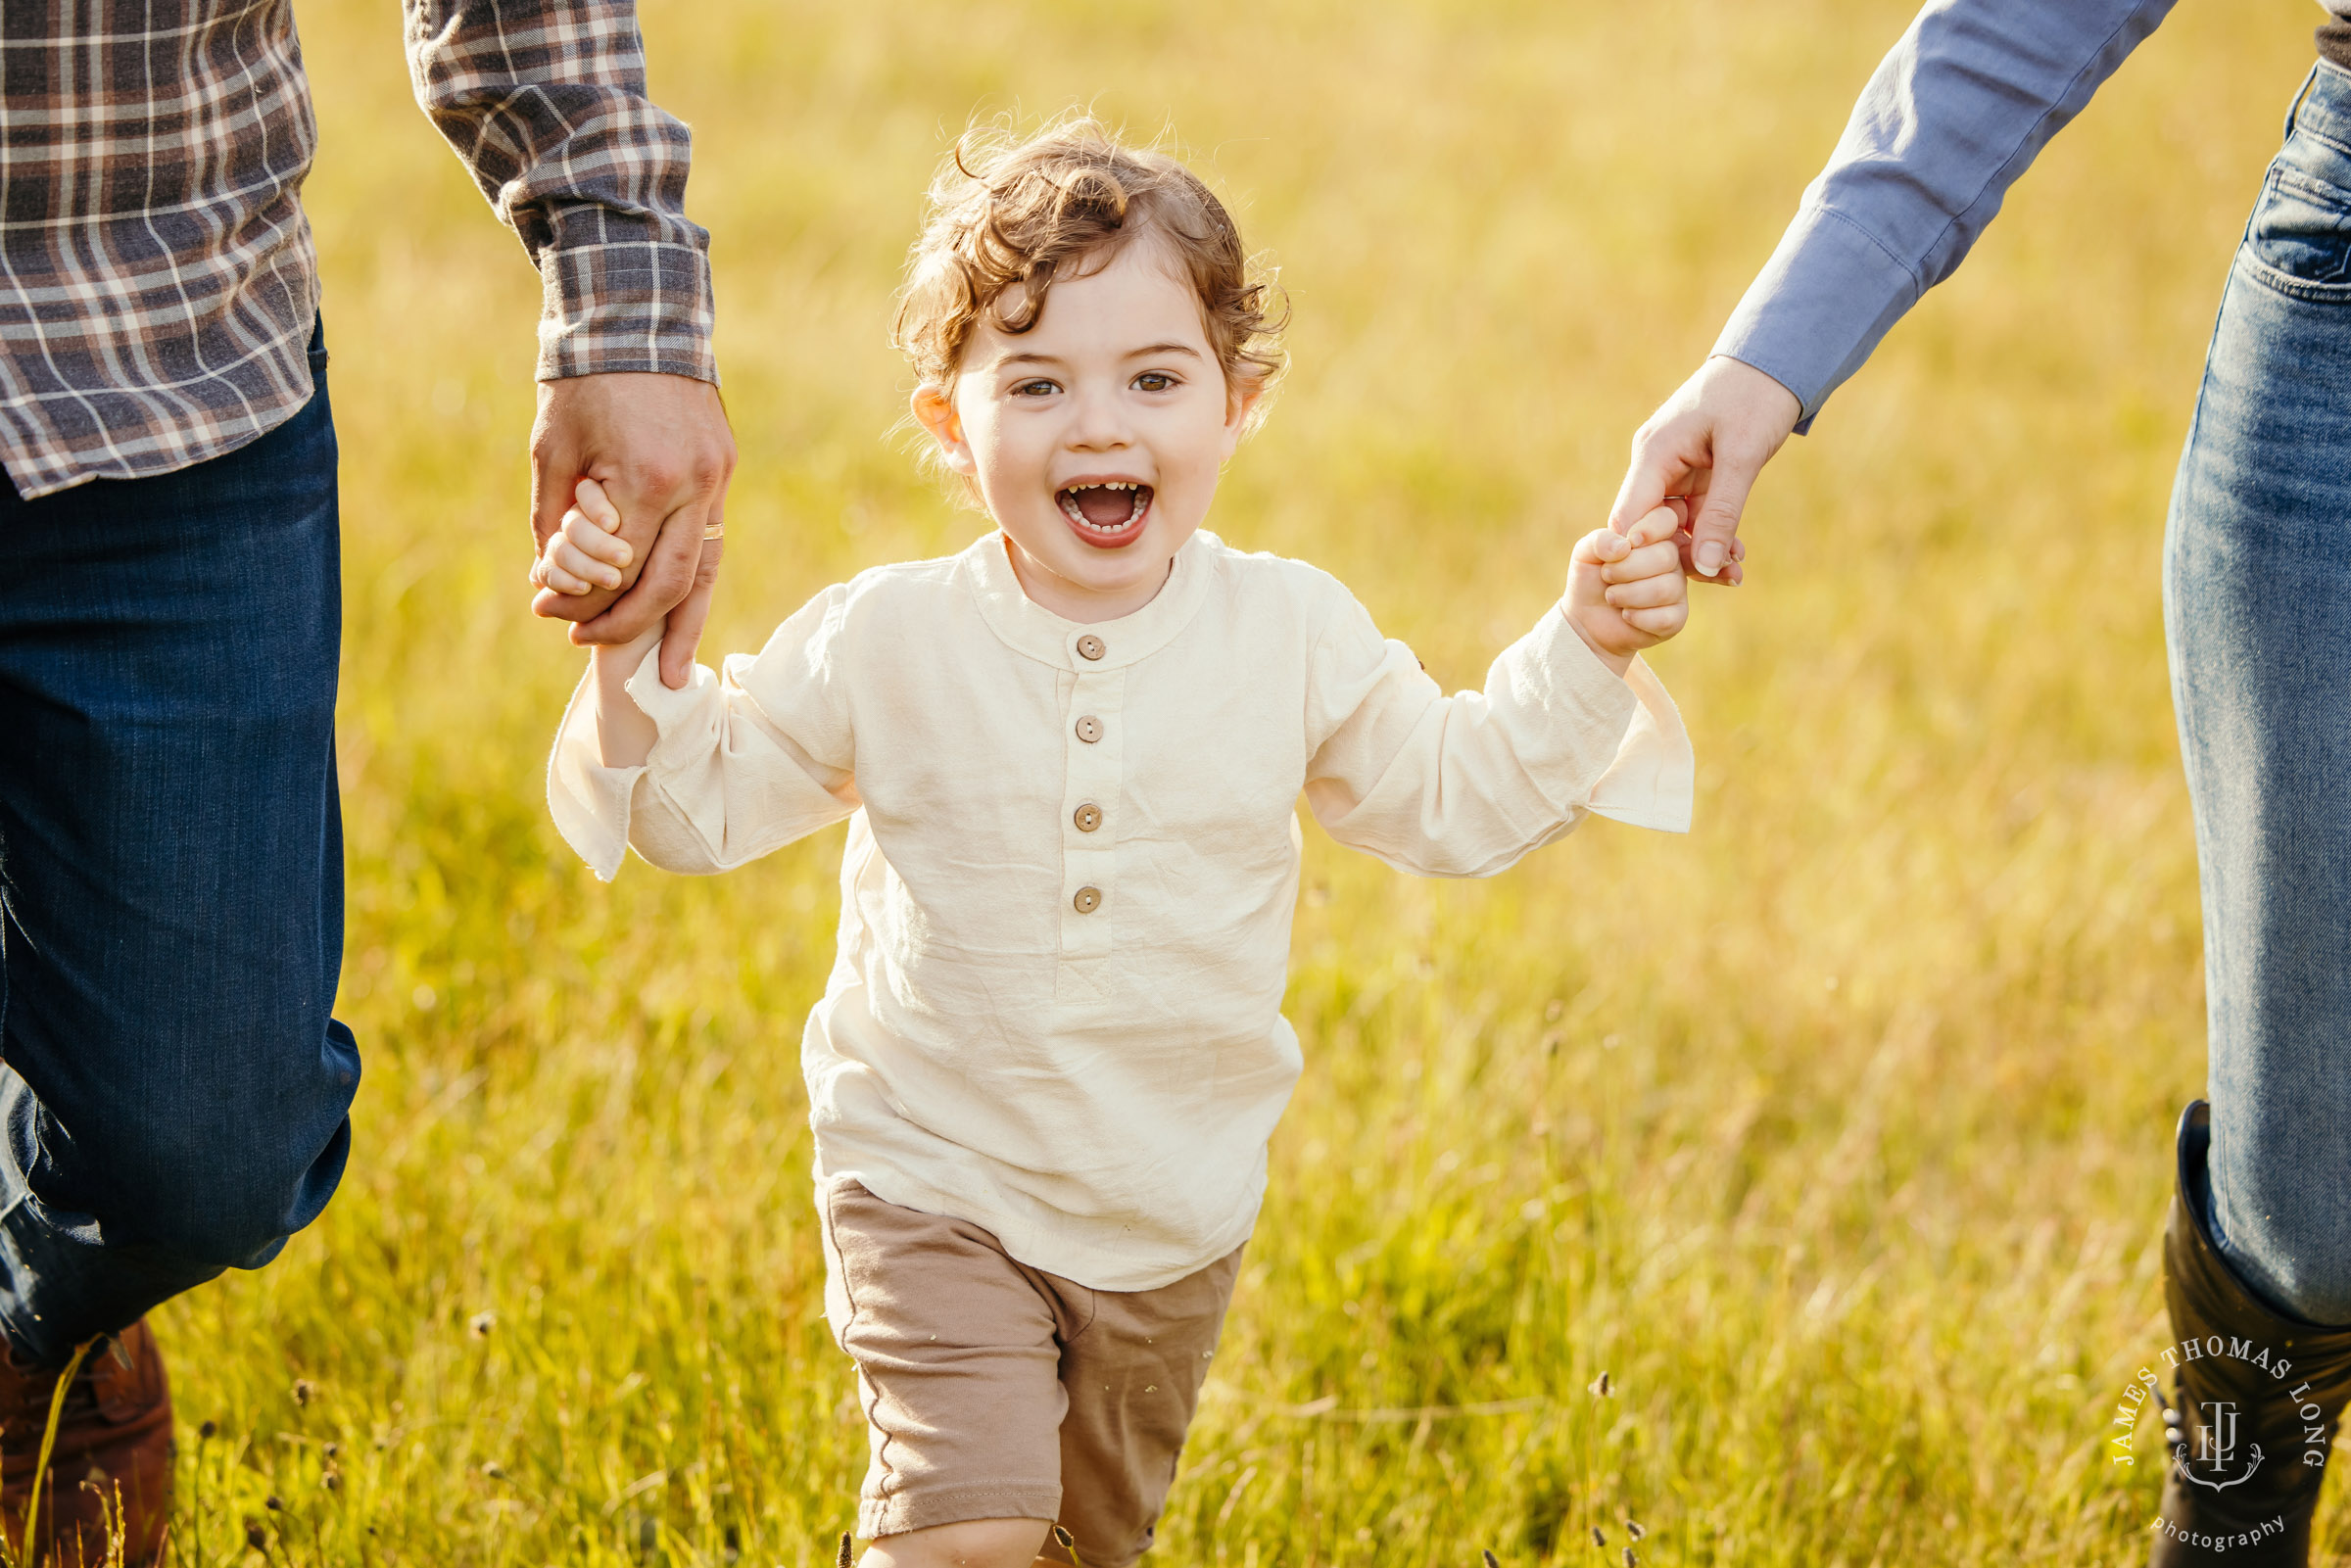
(997, 1390)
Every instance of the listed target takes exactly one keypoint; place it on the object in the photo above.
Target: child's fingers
(547, 574)
(1661, 622)
(590, 539)
(563, 553)
(1647, 593)
(1661, 523)
(553, 570)
(1650, 560)
(1599, 547)
(596, 504)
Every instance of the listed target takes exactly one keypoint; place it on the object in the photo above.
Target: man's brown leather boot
(115, 1432)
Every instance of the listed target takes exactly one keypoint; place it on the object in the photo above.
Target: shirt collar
(1027, 627)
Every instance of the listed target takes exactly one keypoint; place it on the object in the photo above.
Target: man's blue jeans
(2257, 589)
(174, 1098)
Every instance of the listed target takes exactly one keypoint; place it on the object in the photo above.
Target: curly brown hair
(1004, 210)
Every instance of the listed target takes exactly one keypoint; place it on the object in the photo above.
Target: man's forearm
(545, 101)
(546, 106)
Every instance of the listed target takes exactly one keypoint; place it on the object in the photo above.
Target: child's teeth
(1067, 500)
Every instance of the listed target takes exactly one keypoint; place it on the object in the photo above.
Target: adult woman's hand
(1707, 443)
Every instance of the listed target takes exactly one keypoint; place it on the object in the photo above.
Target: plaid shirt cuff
(638, 304)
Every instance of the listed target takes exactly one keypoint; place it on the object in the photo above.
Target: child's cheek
(987, 437)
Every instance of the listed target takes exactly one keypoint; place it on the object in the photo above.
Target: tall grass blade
(40, 1469)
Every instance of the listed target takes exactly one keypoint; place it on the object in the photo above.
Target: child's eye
(1035, 389)
(1154, 381)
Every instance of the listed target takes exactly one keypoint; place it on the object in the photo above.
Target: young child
(1051, 1051)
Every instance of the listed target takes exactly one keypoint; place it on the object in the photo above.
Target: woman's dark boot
(2252, 1417)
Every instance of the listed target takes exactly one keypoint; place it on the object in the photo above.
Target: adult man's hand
(1707, 443)
(660, 447)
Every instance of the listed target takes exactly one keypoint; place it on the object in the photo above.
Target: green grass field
(1837, 1133)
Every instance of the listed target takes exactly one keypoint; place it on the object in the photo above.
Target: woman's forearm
(1951, 118)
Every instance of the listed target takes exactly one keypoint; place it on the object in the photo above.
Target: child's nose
(1100, 423)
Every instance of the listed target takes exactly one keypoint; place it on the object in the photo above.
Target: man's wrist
(637, 364)
(615, 309)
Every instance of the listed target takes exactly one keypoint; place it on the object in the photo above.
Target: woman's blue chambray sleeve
(1953, 116)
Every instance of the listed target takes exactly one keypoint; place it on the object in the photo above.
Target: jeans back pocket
(2302, 224)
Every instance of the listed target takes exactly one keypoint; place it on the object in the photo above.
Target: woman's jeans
(2257, 593)
(170, 880)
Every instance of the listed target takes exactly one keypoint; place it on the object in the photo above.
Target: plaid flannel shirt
(159, 284)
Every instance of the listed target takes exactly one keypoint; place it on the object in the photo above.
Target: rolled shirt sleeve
(1953, 116)
(1465, 785)
(545, 105)
(744, 763)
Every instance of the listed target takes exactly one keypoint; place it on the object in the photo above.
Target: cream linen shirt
(1072, 853)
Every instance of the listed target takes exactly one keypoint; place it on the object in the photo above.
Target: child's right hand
(586, 552)
(1626, 592)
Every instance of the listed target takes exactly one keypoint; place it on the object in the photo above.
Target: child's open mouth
(1106, 515)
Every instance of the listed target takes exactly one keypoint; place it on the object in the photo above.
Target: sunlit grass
(1835, 1133)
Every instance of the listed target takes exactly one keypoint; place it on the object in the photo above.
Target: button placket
(1092, 775)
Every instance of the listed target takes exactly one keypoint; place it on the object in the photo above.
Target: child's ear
(1241, 396)
(935, 412)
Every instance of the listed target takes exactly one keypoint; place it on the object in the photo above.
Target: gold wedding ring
(714, 531)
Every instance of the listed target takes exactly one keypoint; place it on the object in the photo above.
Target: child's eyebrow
(1147, 350)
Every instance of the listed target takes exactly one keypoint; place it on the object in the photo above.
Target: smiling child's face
(1095, 437)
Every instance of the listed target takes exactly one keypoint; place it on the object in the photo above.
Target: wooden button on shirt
(1089, 647)
(1074, 1039)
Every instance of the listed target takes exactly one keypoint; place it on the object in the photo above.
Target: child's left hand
(1626, 591)
(586, 551)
